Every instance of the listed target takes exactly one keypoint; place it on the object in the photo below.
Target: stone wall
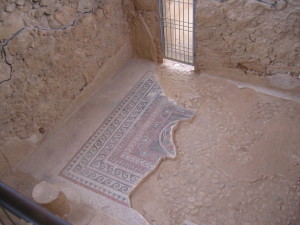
(247, 40)
(257, 37)
(145, 29)
(59, 51)
(62, 45)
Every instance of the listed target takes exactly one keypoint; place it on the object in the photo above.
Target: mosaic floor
(129, 144)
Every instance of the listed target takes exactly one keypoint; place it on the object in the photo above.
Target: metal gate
(177, 29)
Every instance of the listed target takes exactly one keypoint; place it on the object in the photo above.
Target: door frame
(162, 33)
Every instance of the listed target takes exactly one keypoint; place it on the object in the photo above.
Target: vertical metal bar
(177, 25)
(194, 30)
(183, 31)
(179, 30)
(188, 30)
(174, 29)
(186, 21)
(166, 28)
(170, 27)
(161, 23)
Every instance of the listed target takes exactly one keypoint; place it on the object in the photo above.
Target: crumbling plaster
(65, 44)
(260, 38)
(254, 41)
(144, 20)
(54, 50)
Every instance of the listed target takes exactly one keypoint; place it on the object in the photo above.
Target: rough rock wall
(57, 54)
(249, 37)
(144, 22)
(258, 37)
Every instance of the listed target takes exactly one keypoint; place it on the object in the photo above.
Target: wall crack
(30, 27)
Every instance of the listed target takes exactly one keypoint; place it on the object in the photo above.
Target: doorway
(177, 29)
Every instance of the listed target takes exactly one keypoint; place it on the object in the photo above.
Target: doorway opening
(177, 29)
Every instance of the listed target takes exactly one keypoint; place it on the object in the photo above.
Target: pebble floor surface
(238, 158)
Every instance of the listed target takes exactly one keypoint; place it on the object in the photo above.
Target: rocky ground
(238, 159)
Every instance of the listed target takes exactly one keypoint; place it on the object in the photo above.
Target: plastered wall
(59, 52)
(257, 37)
(63, 44)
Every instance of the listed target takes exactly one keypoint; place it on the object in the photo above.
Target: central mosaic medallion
(129, 144)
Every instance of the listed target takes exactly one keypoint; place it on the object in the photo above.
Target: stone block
(49, 196)
(145, 5)
(10, 7)
(65, 15)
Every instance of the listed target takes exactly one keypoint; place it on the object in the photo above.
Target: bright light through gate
(177, 29)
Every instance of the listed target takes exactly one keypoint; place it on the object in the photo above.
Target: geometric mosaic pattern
(129, 144)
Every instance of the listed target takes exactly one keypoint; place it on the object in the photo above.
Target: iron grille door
(177, 29)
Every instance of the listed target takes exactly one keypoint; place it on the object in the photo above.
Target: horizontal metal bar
(178, 27)
(177, 54)
(177, 46)
(180, 21)
(182, 2)
(26, 209)
(170, 23)
(178, 51)
(187, 31)
(184, 28)
(169, 51)
(180, 61)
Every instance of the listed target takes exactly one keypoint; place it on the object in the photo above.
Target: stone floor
(59, 147)
(129, 144)
(238, 158)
